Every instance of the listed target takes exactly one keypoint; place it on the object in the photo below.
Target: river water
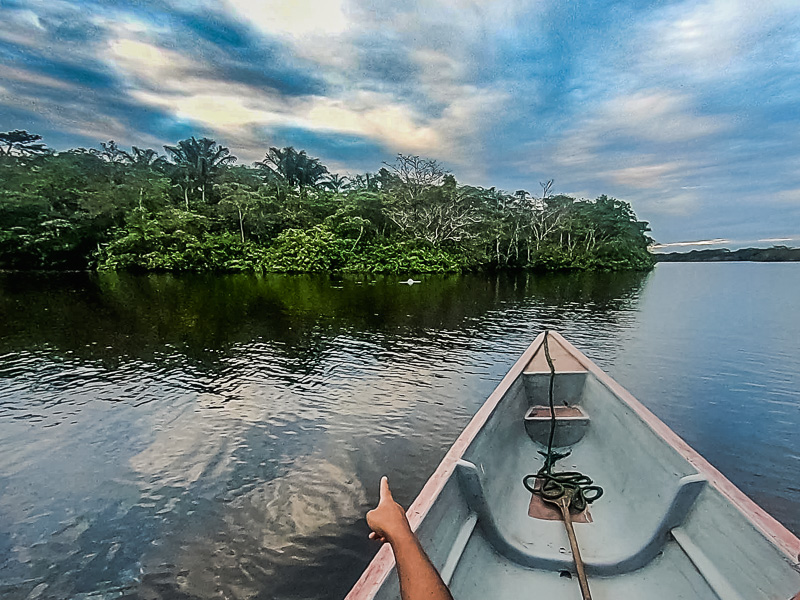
(223, 436)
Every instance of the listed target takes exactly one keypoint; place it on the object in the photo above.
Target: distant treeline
(194, 209)
(774, 254)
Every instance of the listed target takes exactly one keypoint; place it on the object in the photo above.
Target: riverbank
(111, 209)
(774, 254)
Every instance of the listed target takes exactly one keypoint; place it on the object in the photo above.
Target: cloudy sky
(689, 110)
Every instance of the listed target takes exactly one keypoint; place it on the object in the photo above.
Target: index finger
(386, 493)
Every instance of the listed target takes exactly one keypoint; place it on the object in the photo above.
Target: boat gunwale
(768, 525)
(381, 565)
(379, 568)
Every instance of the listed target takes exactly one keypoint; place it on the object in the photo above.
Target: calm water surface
(222, 437)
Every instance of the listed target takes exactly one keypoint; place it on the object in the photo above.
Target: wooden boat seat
(572, 424)
(637, 554)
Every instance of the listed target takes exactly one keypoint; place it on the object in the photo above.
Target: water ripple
(180, 449)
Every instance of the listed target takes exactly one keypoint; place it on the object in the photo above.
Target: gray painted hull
(668, 526)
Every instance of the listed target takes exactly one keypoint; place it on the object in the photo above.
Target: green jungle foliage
(196, 210)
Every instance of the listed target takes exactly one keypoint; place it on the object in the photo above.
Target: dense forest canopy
(195, 209)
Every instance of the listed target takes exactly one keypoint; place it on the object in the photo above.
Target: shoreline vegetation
(774, 254)
(195, 209)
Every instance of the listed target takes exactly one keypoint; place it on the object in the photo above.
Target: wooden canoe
(668, 526)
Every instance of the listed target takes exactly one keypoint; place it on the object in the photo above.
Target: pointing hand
(388, 520)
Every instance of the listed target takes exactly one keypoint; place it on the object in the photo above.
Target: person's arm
(419, 579)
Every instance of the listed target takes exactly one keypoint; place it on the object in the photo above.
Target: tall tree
(198, 163)
(369, 182)
(297, 169)
(545, 216)
(21, 143)
(438, 214)
(240, 199)
(147, 157)
(415, 175)
(547, 186)
(112, 153)
(145, 167)
(337, 183)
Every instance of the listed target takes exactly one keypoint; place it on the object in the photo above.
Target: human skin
(419, 579)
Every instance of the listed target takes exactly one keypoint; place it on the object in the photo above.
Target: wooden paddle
(563, 502)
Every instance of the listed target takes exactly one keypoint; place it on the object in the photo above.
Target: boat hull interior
(667, 526)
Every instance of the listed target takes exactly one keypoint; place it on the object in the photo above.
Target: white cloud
(149, 62)
(646, 145)
(670, 203)
(364, 114)
(648, 175)
(373, 115)
(713, 242)
(21, 27)
(76, 115)
(658, 116)
(706, 37)
(217, 111)
(26, 77)
(463, 125)
(440, 75)
(790, 196)
(31, 18)
(725, 242)
(711, 40)
(191, 91)
(296, 18)
(322, 32)
(653, 116)
(316, 29)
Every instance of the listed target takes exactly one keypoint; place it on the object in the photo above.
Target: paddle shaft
(563, 504)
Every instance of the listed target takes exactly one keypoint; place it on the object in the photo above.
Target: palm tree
(199, 161)
(146, 164)
(368, 182)
(148, 157)
(111, 153)
(337, 183)
(295, 168)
